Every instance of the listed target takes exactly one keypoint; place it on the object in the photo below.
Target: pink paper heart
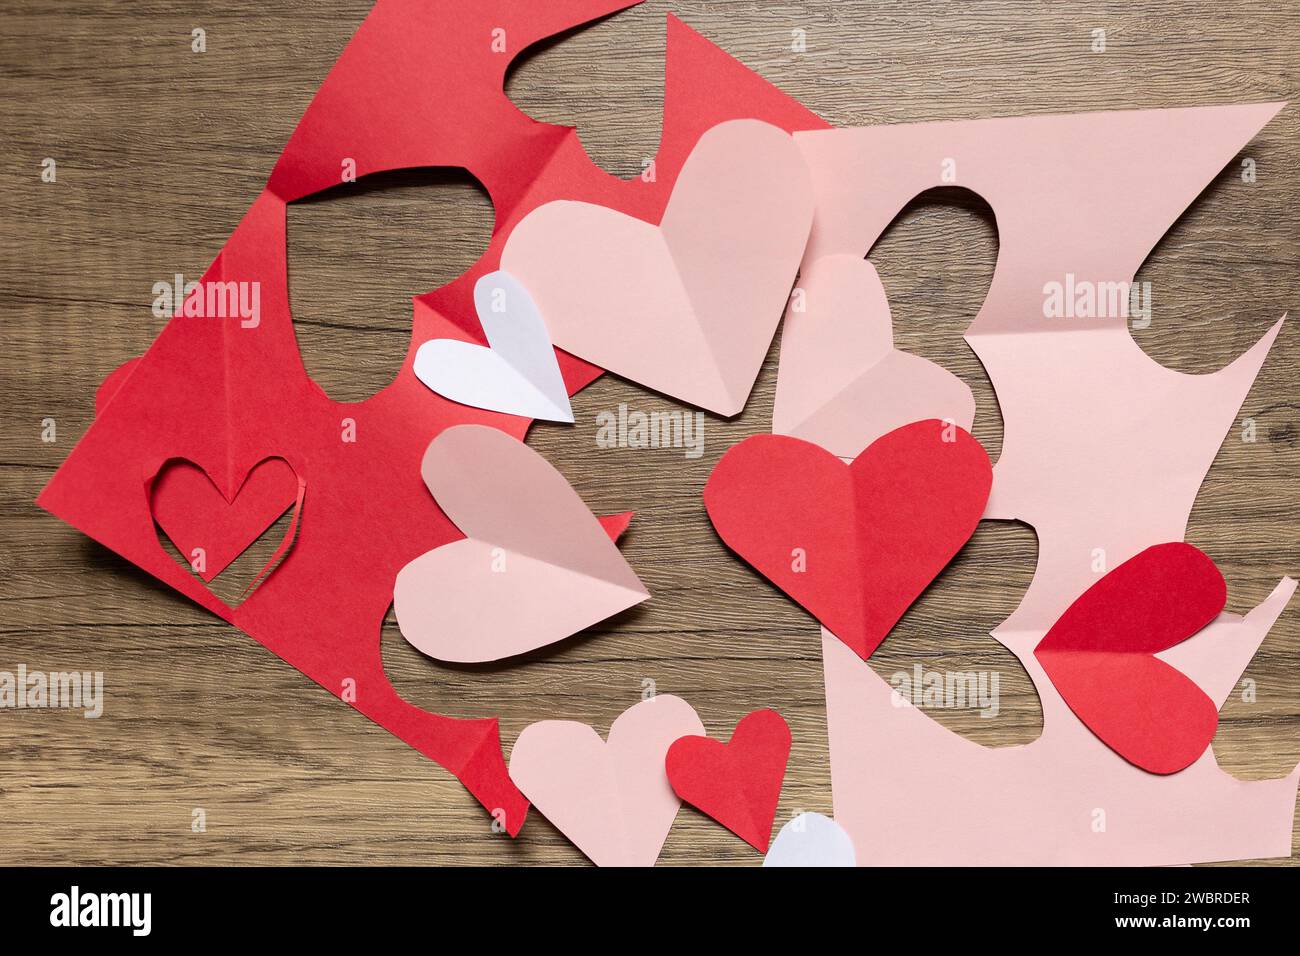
(688, 307)
(841, 383)
(612, 799)
(198, 516)
(535, 566)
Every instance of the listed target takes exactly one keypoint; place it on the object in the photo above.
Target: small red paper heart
(736, 783)
(1099, 656)
(854, 544)
(193, 512)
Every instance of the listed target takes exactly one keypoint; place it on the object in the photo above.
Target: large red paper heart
(195, 514)
(854, 544)
(736, 783)
(1099, 655)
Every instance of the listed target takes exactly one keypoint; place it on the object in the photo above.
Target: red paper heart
(194, 513)
(1099, 656)
(854, 544)
(736, 783)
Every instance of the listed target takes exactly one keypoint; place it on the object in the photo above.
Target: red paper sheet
(419, 85)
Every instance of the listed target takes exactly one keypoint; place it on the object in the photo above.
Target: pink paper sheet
(1103, 454)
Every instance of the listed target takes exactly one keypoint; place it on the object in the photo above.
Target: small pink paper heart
(535, 566)
(612, 799)
(841, 383)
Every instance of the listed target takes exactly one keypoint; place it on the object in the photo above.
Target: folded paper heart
(210, 528)
(809, 840)
(611, 798)
(854, 544)
(535, 565)
(1100, 656)
(687, 307)
(841, 383)
(517, 374)
(737, 783)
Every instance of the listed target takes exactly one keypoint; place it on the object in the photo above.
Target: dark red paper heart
(854, 544)
(194, 513)
(1099, 656)
(737, 783)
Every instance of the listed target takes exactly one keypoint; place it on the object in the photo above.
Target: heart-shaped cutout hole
(247, 531)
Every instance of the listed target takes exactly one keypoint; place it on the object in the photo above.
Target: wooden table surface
(159, 151)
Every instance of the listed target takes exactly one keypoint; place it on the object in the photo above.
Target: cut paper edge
(521, 398)
(426, 628)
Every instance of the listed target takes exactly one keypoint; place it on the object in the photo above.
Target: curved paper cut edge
(181, 493)
(496, 387)
(750, 498)
(490, 616)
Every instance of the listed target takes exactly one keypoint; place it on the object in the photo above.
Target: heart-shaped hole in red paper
(212, 531)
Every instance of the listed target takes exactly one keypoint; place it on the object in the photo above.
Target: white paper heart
(517, 374)
(534, 567)
(811, 839)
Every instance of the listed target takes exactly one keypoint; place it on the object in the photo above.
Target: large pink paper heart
(841, 383)
(687, 307)
(535, 566)
(612, 799)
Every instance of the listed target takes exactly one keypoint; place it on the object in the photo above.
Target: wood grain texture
(160, 151)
